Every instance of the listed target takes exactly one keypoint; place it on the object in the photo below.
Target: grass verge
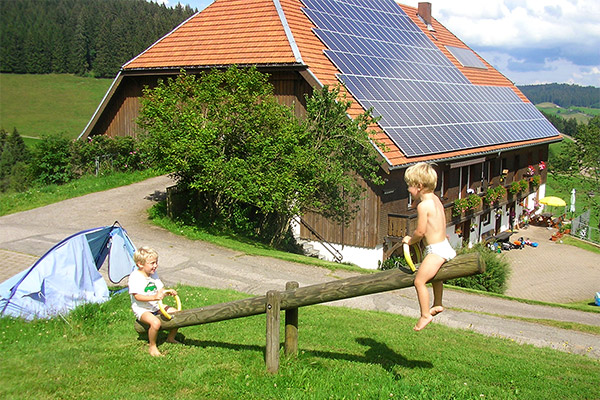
(587, 306)
(242, 245)
(344, 353)
(41, 196)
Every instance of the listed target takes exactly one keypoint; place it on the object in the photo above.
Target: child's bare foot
(154, 352)
(435, 310)
(173, 341)
(422, 322)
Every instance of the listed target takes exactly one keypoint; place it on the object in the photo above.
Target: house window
(485, 218)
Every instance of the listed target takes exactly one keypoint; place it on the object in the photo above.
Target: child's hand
(171, 292)
(160, 294)
(406, 239)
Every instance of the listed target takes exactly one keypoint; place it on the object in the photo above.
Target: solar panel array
(426, 104)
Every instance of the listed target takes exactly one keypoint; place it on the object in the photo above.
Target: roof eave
(498, 151)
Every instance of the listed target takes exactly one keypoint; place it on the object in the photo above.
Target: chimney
(424, 11)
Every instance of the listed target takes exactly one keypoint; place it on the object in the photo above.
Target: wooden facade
(386, 215)
(118, 118)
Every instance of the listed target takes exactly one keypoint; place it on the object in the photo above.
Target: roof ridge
(288, 32)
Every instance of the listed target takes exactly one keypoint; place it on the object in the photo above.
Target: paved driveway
(27, 235)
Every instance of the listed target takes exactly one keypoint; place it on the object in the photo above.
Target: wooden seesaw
(294, 297)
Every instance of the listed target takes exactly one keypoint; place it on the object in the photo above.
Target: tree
(13, 161)
(254, 165)
(588, 156)
(581, 158)
(13, 150)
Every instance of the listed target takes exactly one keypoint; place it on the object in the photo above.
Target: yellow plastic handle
(407, 257)
(164, 312)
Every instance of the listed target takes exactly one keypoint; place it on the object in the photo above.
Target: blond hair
(143, 254)
(421, 174)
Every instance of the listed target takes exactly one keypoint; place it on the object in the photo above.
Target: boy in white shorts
(421, 179)
(146, 290)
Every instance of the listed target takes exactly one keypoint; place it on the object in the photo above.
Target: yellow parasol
(553, 201)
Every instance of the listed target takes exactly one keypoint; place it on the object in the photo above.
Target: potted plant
(494, 194)
(523, 185)
(473, 202)
(529, 171)
(459, 206)
(535, 181)
(513, 188)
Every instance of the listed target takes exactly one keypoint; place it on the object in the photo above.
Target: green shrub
(493, 279)
(50, 161)
(101, 154)
(393, 262)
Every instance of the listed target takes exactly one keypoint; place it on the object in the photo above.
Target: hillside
(563, 95)
(49, 104)
(581, 115)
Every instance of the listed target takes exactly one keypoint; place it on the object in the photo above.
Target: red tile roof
(242, 32)
(226, 32)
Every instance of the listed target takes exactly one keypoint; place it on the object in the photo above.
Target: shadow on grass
(377, 353)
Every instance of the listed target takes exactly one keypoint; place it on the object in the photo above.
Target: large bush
(493, 279)
(101, 154)
(50, 160)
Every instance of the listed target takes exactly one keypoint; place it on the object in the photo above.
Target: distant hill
(563, 95)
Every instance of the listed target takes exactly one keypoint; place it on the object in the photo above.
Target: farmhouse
(438, 101)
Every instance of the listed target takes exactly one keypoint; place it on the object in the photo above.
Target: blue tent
(67, 275)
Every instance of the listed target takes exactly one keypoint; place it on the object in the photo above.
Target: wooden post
(272, 347)
(291, 326)
(463, 265)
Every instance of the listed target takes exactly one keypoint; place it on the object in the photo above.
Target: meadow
(343, 354)
(581, 114)
(50, 104)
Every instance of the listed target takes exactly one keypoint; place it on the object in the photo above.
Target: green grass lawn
(343, 354)
(49, 104)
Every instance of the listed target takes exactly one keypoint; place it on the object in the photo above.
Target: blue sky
(529, 41)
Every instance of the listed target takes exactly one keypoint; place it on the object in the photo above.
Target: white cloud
(558, 70)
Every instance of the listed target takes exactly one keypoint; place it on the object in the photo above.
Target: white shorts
(442, 249)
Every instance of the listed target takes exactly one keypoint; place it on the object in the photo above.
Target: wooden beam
(460, 266)
(272, 346)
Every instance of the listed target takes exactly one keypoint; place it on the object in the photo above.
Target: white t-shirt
(146, 285)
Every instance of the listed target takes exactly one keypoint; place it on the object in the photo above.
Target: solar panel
(466, 57)
(426, 104)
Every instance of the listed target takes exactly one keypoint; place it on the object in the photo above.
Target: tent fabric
(67, 275)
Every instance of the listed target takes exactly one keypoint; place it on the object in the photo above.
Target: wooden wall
(120, 114)
(363, 231)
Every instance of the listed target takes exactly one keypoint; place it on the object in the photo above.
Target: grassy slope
(343, 353)
(581, 114)
(49, 104)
